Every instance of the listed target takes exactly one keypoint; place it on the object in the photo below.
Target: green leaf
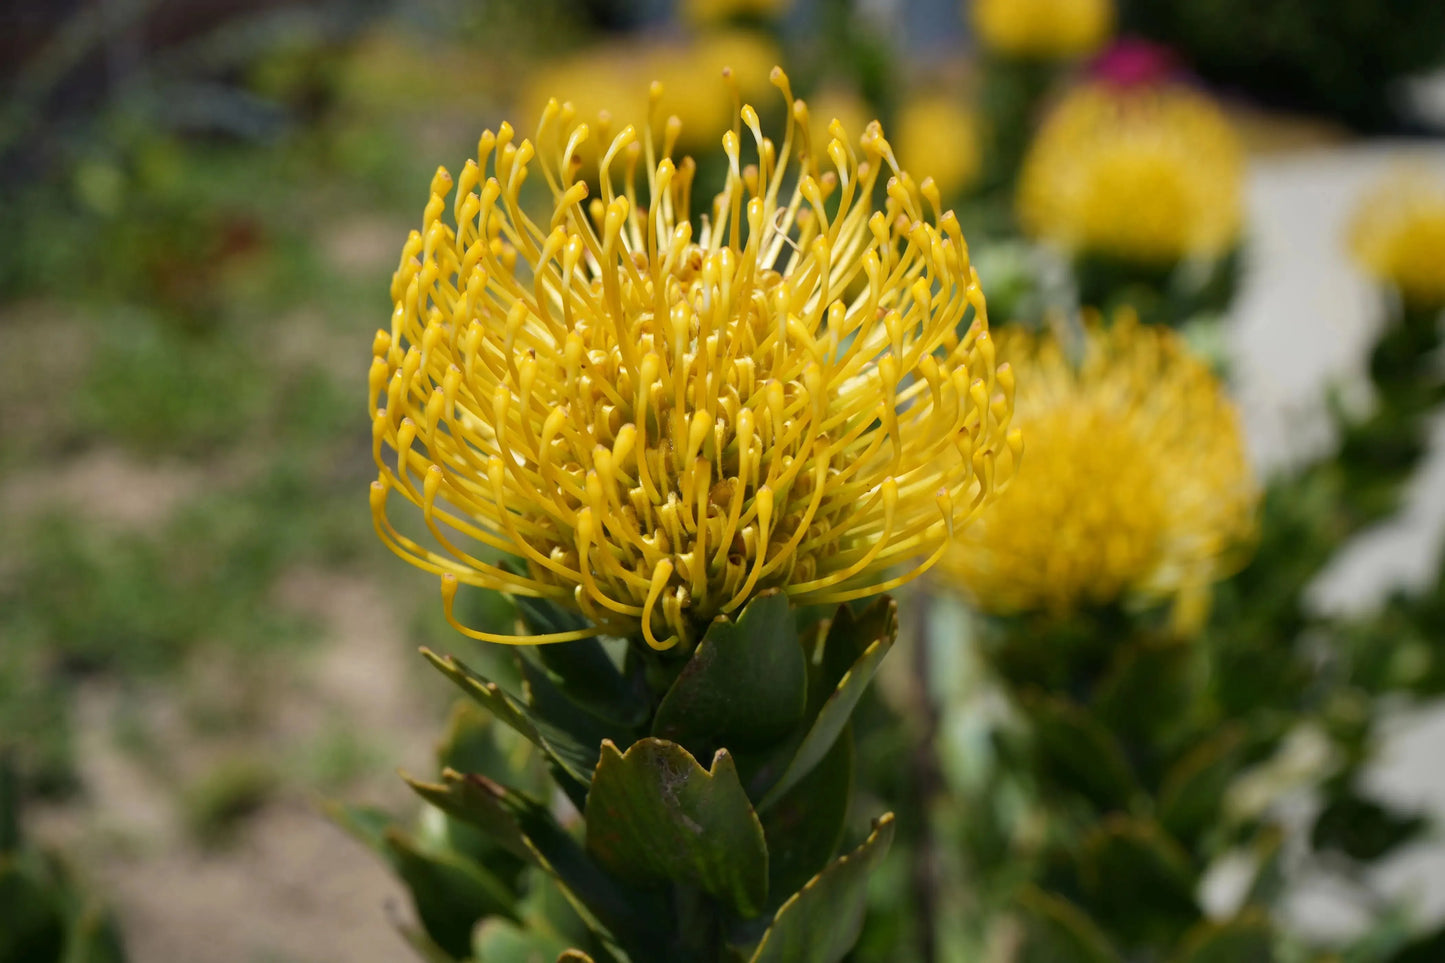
(1244, 939)
(849, 635)
(425, 948)
(1075, 752)
(31, 925)
(574, 730)
(872, 635)
(1362, 828)
(805, 826)
(9, 805)
(512, 819)
(94, 937)
(1269, 875)
(574, 759)
(655, 814)
(501, 941)
(582, 670)
(1427, 949)
(478, 801)
(547, 908)
(633, 916)
(1146, 687)
(475, 741)
(1192, 792)
(1060, 932)
(821, 922)
(450, 892)
(1137, 880)
(745, 685)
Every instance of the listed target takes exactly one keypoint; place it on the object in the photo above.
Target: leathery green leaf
(1245, 939)
(516, 821)
(745, 685)
(821, 922)
(1075, 750)
(570, 757)
(654, 814)
(835, 711)
(1060, 932)
(805, 826)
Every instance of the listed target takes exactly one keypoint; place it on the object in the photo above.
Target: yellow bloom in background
(939, 136)
(1043, 29)
(661, 418)
(830, 103)
(613, 79)
(717, 11)
(1146, 174)
(1137, 483)
(1398, 235)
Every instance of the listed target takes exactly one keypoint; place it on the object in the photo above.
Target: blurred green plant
(215, 804)
(46, 914)
(1339, 58)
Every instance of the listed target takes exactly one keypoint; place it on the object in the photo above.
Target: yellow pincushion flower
(660, 419)
(940, 139)
(1398, 235)
(1145, 174)
(1043, 29)
(1137, 483)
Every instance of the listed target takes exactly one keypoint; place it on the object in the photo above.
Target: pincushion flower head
(1043, 29)
(655, 419)
(1137, 485)
(1398, 235)
(1140, 173)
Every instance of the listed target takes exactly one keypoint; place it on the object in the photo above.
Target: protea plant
(675, 459)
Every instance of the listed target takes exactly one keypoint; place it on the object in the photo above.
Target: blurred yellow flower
(613, 79)
(939, 136)
(1137, 484)
(718, 11)
(1043, 29)
(1145, 174)
(1398, 235)
(659, 419)
(832, 103)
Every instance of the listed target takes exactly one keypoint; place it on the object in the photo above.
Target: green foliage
(1165, 293)
(1244, 940)
(805, 825)
(1012, 95)
(46, 915)
(224, 796)
(746, 684)
(852, 650)
(1336, 57)
(655, 815)
(1131, 760)
(669, 859)
(160, 389)
(1362, 828)
(820, 923)
(1057, 932)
